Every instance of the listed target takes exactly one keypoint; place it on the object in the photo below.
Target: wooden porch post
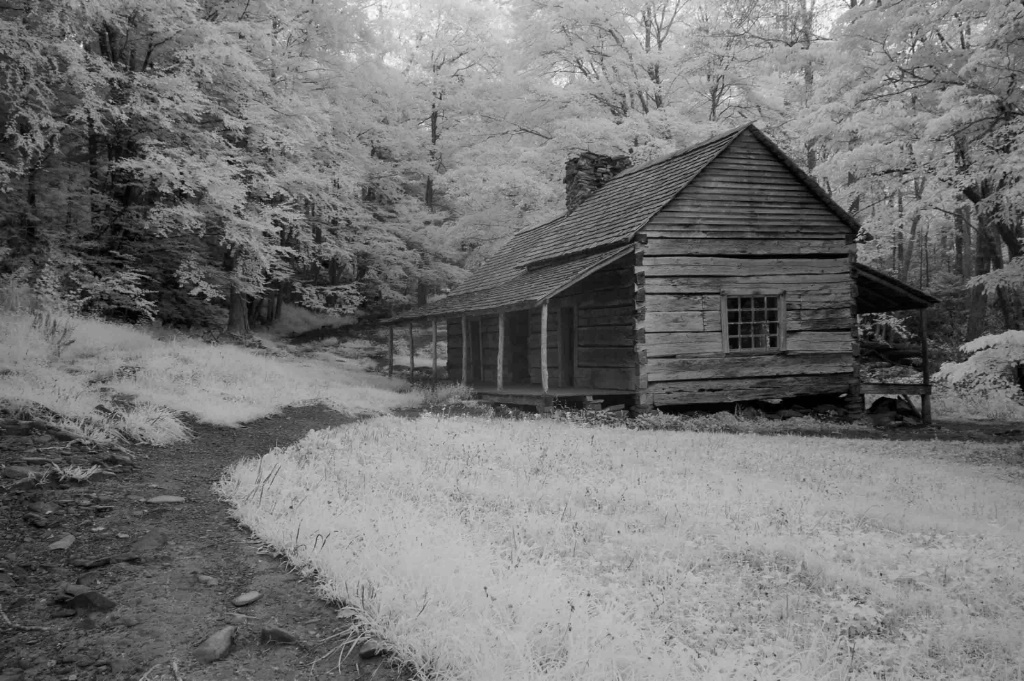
(544, 347)
(465, 351)
(433, 342)
(926, 400)
(501, 351)
(412, 355)
(391, 350)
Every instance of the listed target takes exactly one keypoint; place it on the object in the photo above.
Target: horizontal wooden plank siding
(681, 284)
(682, 344)
(675, 244)
(740, 366)
(735, 390)
(710, 266)
(746, 226)
(618, 315)
(689, 321)
(605, 354)
(820, 341)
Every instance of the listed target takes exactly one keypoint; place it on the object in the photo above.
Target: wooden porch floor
(534, 389)
(534, 395)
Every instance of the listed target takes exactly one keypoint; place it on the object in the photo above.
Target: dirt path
(169, 570)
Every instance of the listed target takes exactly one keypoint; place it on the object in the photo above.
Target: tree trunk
(986, 255)
(238, 317)
(255, 305)
(94, 171)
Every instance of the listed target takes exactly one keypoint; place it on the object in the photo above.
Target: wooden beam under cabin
(433, 342)
(465, 350)
(391, 351)
(926, 400)
(501, 351)
(544, 346)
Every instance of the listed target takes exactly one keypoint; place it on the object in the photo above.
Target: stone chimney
(587, 173)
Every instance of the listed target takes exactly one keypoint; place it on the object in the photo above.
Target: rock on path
(216, 645)
(63, 543)
(248, 598)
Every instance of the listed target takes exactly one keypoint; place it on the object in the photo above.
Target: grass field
(491, 549)
(143, 386)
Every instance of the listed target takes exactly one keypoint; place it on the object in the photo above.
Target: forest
(202, 162)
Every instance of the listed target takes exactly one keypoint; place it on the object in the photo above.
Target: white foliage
(990, 369)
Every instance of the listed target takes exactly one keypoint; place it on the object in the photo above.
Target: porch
(878, 292)
(533, 395)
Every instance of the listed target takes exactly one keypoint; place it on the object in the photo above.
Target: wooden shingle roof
(523, 289)
(550, 257)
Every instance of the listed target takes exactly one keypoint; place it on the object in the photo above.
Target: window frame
(748, 293)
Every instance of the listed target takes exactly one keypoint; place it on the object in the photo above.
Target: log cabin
(721, 273)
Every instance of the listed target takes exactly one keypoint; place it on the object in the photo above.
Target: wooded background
(201, 161)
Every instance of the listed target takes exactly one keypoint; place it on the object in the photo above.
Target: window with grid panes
(754, 323)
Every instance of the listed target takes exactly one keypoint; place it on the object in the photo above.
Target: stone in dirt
(7, 583)
(277, 635)
(207, 580)
(150, 541)
(74, 589)
(216, 646)
(372, 648)
(63, 543)
(37, 520)
(248, 598)
(118, 458)
(20, 472)
(88, 578)
(165, 499)
(90, 563)
(43, 507)
(90, 601)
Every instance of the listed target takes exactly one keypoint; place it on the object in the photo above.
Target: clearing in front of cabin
(500, 549)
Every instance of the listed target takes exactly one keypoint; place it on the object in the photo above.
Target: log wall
(605, 321)
(606, 346)
(745, 226)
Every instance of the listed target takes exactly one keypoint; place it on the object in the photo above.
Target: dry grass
(146, 385)
(489, 549)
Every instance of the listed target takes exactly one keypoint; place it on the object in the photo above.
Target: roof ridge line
(735, 133)
(679, 152)
(807, 180)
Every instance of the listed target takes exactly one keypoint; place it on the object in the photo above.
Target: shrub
(988, 384)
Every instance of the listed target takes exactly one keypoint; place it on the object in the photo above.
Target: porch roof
(524, 288)
(879, 292)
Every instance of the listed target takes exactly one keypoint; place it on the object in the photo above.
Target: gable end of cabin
(747, 290)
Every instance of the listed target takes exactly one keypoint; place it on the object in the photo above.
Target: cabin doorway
(517, 343)
(476, 355)
(567, 347)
